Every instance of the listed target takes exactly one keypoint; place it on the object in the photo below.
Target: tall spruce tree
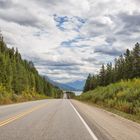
(18, 75)
(126, 67)
(88, 84)
(102, 76)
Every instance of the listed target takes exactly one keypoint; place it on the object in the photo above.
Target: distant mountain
(64, 86)
(60, 85)
(78, 85)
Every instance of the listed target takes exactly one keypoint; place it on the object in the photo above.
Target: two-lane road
(42, 120)
(60, 119)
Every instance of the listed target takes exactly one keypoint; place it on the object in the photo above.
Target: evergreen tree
(18, 75)
(88, 84)
(127, 66)
(136, 60)
(102, 76)
(109, 74)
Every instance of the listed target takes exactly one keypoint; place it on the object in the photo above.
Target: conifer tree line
(125, 67)
(18, 75)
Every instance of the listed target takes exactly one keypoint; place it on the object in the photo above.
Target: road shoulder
(107, 125)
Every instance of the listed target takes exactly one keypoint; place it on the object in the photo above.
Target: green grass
(8, 97)
(122, 98)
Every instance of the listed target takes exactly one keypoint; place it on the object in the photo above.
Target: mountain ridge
(70, 86)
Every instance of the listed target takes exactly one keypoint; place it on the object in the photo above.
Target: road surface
(62, 119)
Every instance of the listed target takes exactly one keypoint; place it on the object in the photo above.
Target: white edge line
(85, 124)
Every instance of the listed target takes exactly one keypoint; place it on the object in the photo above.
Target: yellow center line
(13, 118)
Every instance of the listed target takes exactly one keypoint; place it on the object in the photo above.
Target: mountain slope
(20, 79)
(77, 85)
(123, 96)
(60, 85)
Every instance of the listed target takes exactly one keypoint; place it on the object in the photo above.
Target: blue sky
(67, 39)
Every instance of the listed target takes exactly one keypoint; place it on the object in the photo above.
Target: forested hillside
(125, 67)
(117, 86)
(19, 80)
(122, 98)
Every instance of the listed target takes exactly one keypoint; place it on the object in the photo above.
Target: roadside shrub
(123, 96)
(5, 96)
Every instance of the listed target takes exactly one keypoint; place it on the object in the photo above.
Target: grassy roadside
(112, 110)
(122, 98)
(22, 98)
(8, 97)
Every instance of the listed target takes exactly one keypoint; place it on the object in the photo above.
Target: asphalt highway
(52, 119)
(63, 119)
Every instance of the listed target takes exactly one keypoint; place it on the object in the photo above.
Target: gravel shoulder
(106, 125)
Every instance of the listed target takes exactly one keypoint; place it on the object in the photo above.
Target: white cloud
(93, 28)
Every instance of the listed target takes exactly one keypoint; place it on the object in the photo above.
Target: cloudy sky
(67, 39)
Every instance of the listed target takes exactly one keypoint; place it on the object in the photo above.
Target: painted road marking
(13, 118)
(85, 124)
